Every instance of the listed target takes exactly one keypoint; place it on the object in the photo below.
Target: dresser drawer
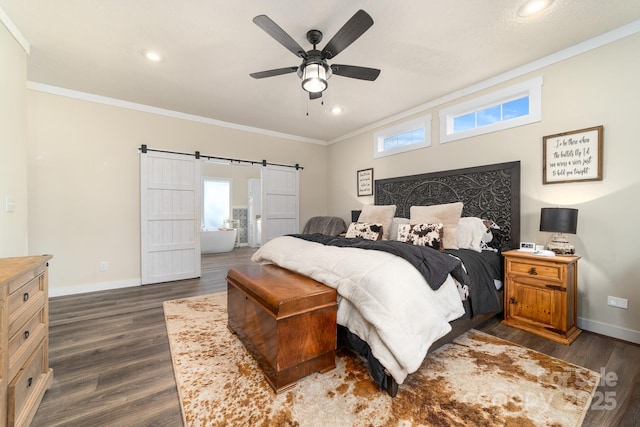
(18, 281)
(536, 270)
(23, 343)
(25, 301)
(26, 384)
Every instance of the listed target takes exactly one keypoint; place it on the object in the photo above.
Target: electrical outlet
(618, 302)
(103, 266)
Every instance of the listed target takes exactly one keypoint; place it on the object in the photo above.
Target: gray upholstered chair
(328, 225)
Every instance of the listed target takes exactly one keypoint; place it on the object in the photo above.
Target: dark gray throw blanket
(482, 267)
(433, 265)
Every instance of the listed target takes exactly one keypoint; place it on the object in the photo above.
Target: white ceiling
(425, 49)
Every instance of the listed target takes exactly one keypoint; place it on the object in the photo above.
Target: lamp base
(560, 245)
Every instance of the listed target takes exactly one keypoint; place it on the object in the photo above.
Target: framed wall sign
(573, 156)
(365, 182)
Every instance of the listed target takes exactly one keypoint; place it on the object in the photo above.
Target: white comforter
(382, 298)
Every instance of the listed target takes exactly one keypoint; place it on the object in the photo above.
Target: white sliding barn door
(279, 202)
(170, 217)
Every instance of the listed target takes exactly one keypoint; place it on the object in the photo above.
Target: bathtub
(216, 241)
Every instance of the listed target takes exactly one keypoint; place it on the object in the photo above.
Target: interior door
(279, 202)
(170, 217)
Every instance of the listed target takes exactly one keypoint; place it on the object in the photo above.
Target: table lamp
(559, 221)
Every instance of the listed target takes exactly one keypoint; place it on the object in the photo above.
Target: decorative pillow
(395, 222)
(404, 231)
(422, 234)
(492, 240)
(471, 233)
(449, 215)
(378, 214)
(365, 230)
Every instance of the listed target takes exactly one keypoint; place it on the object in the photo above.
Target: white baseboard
(609, 330)
(92, 287)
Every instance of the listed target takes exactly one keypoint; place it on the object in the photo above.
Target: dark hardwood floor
(112, 367)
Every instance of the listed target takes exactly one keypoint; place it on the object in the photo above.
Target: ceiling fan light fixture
(314, 78)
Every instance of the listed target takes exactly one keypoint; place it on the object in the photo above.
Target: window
(216, 202)
(407, 136)
(510, 107)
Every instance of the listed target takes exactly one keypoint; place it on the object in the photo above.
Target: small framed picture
(365, 182)
(572, 156)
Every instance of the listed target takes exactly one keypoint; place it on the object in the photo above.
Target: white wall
(600, 87)
(13, 145)
(84, 184)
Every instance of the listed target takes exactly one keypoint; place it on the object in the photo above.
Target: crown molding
(14, 31)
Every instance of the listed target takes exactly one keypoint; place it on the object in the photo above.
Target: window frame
(423, 121)
(531, 88)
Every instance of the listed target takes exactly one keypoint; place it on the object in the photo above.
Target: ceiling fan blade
(355, 72)
(271, 28)
(315, 95)
(354, 28)
(271, 73)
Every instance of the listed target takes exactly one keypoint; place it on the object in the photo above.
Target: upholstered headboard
(489, 192)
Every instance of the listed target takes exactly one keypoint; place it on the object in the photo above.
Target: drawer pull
(533, 271)
(25, 297)
(513, 301)
(26, 335)
(29, 382)
(556, 288)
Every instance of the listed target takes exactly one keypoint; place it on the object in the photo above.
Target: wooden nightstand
(540, 294)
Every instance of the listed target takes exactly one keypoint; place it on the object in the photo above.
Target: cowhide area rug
(479, 380)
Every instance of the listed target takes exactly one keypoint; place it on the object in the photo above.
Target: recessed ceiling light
(336, 110)
(533, 7)
(153, 56)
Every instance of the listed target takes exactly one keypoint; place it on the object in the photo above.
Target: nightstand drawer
(536, 270)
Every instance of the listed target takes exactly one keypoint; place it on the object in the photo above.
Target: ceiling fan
(314, 69)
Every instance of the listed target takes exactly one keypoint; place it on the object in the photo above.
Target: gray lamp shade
(559, 220)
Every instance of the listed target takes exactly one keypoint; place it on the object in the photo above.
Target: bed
(383, 315)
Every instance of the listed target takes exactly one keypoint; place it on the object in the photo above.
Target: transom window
(490, 115)
(404, 137)
(510, 107)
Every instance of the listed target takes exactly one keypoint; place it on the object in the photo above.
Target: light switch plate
(9, 205)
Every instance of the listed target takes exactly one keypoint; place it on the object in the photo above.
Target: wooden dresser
(24, 338)
(540, 294)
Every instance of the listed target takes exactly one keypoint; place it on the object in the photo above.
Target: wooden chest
(287, 321)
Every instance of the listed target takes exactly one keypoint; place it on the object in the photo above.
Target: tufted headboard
(489, 192)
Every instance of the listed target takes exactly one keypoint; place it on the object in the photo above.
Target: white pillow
(448, 213)
(378, 214)
(471, 233)
(395, 223)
